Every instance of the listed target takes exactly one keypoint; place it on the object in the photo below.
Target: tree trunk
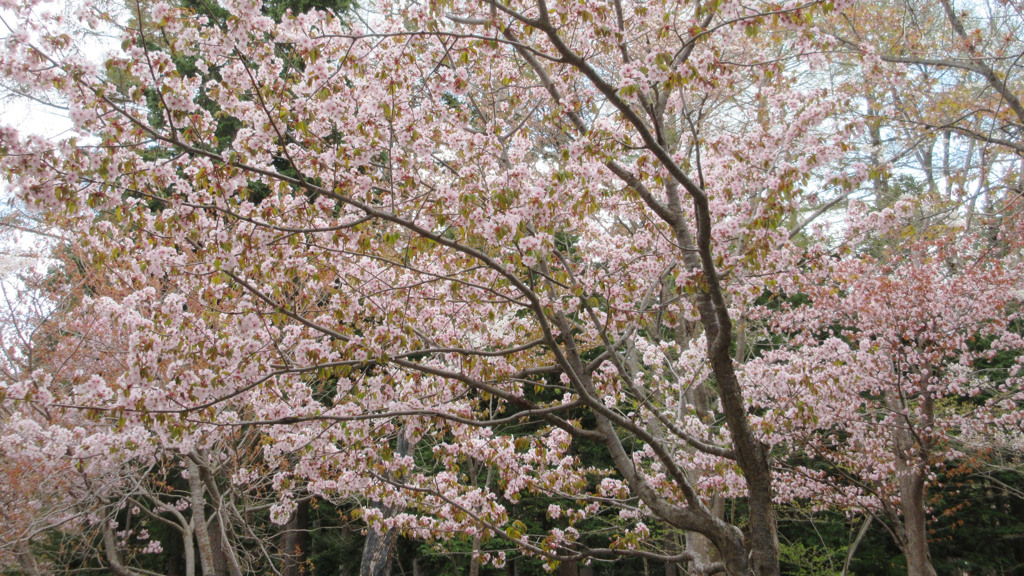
(879, 181)
(672, 546)
(474, 556)
(699, 545)
(295, 541)
(569, 568)
(919, 561)
(759, 552)
(225, 557)
(189, 551)
(911, 475)
(852, 551)
(379, 549)
(218, 546)
(763, 537)
(762, 541)
(199, 525)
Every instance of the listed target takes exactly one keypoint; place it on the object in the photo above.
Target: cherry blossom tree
(74, 472)
(940, 102)
(885, 375)
(446, 236)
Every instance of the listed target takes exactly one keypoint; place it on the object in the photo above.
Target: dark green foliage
(980, 528)
(335, 542)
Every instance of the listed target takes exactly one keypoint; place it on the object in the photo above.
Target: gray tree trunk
(379, 550)
(199, 525)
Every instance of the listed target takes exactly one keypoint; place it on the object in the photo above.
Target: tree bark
(919, 561)
(189, 550)
(474, 560)
(763, 539)
(199, 525)
(379, 552)
(224, 555)
(911, 477)
(218, 545)
(699, 545)
(569, 568)
(295, 541)
(379, 549)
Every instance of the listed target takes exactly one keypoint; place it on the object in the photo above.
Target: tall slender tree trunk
(225, 557)
(879, 180)
(295, 541)
(380, 546)
(474, 560)
(187, 548)
(379, 551)
(199, 525)
(852, 550)
(762, 540)
(911, 478)
(218, 545)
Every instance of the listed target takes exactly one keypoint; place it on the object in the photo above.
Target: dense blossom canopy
(447, 237)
